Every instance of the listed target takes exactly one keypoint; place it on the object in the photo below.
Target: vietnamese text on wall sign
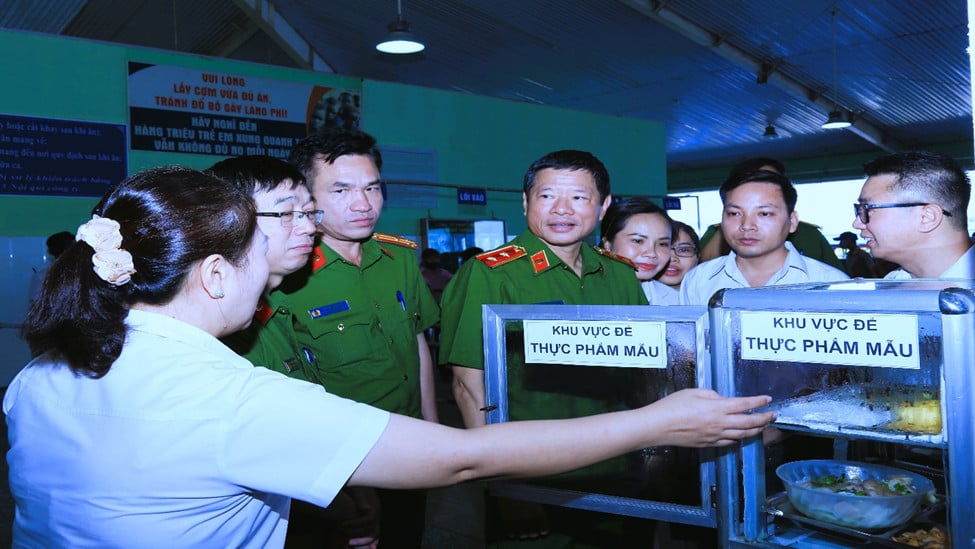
(850, 339)
(43, 156)
(184, 110)
(468, 195)
(596, 343)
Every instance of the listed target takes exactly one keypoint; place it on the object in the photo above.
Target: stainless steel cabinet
(879, 370)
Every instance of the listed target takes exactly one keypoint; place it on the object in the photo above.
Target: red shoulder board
(501, 255)
(263, 312)
(393, 239)
(617, 257)
(317, 259)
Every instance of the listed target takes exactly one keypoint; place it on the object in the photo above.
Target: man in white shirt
(758, 216)
(912, 211)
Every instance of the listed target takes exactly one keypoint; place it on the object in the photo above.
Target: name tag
(326, 310)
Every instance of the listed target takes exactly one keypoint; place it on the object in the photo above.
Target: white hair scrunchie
(112, 264)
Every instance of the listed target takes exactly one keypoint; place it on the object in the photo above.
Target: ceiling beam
(233, 42)
(659, 12)
(268, 19)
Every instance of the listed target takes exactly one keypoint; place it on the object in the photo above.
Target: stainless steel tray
(929, 515)
(863, 410)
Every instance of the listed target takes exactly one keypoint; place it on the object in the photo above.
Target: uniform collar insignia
(540, 261)
(318, 259)
(264, 311)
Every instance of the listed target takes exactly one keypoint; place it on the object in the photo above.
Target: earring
(218, 294)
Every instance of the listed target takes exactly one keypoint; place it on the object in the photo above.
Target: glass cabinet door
(558, 361)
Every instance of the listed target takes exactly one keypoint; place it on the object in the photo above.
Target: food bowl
(810, 487)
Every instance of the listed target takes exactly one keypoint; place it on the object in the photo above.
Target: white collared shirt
(701, 282)
(963, 268)
(181, 444)
(659, 293)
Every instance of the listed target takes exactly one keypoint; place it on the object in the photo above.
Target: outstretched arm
(414, 454)
(468, 388)
(428, 386)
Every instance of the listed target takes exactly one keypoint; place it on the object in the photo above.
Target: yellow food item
(923, 416)
(933, 539)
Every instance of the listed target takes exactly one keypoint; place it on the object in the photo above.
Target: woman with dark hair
(684, 248)
(641, 231)
(138, 428)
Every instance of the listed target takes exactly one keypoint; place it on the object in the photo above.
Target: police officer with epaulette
(362, 305)
(565, 195)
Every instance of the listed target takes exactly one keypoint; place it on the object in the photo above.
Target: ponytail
(79, 316)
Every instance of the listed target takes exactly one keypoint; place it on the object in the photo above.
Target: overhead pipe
(659, 12)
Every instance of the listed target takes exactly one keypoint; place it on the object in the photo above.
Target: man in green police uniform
(565, 194)
(287, 217)
(362, 305)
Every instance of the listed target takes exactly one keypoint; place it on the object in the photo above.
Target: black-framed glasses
(862, 211)
(684, 250)
(288, 218)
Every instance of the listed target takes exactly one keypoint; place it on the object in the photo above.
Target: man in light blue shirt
(757, 218)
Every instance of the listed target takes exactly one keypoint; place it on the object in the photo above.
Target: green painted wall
(480, 142)
(489, 143)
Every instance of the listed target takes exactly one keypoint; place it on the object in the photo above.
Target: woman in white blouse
(640, 230)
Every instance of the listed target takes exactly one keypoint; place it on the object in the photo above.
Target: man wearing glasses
(912, 211)
(757, 217)
(286, 215)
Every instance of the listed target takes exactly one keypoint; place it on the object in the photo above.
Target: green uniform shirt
(270, 339)
(361, 322)
(537, 276)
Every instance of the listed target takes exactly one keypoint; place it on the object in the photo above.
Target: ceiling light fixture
(400, 40)
(836, 120)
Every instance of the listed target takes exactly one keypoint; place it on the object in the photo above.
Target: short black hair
(256, 173)
(569, 159)
(679, 227)
(754, 164)
(332, 143)
(932, 176)
(789, 193)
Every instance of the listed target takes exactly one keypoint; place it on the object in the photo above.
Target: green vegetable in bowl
(827, 481)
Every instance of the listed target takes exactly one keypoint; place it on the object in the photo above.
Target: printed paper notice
(852, 339)
(596, 343)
